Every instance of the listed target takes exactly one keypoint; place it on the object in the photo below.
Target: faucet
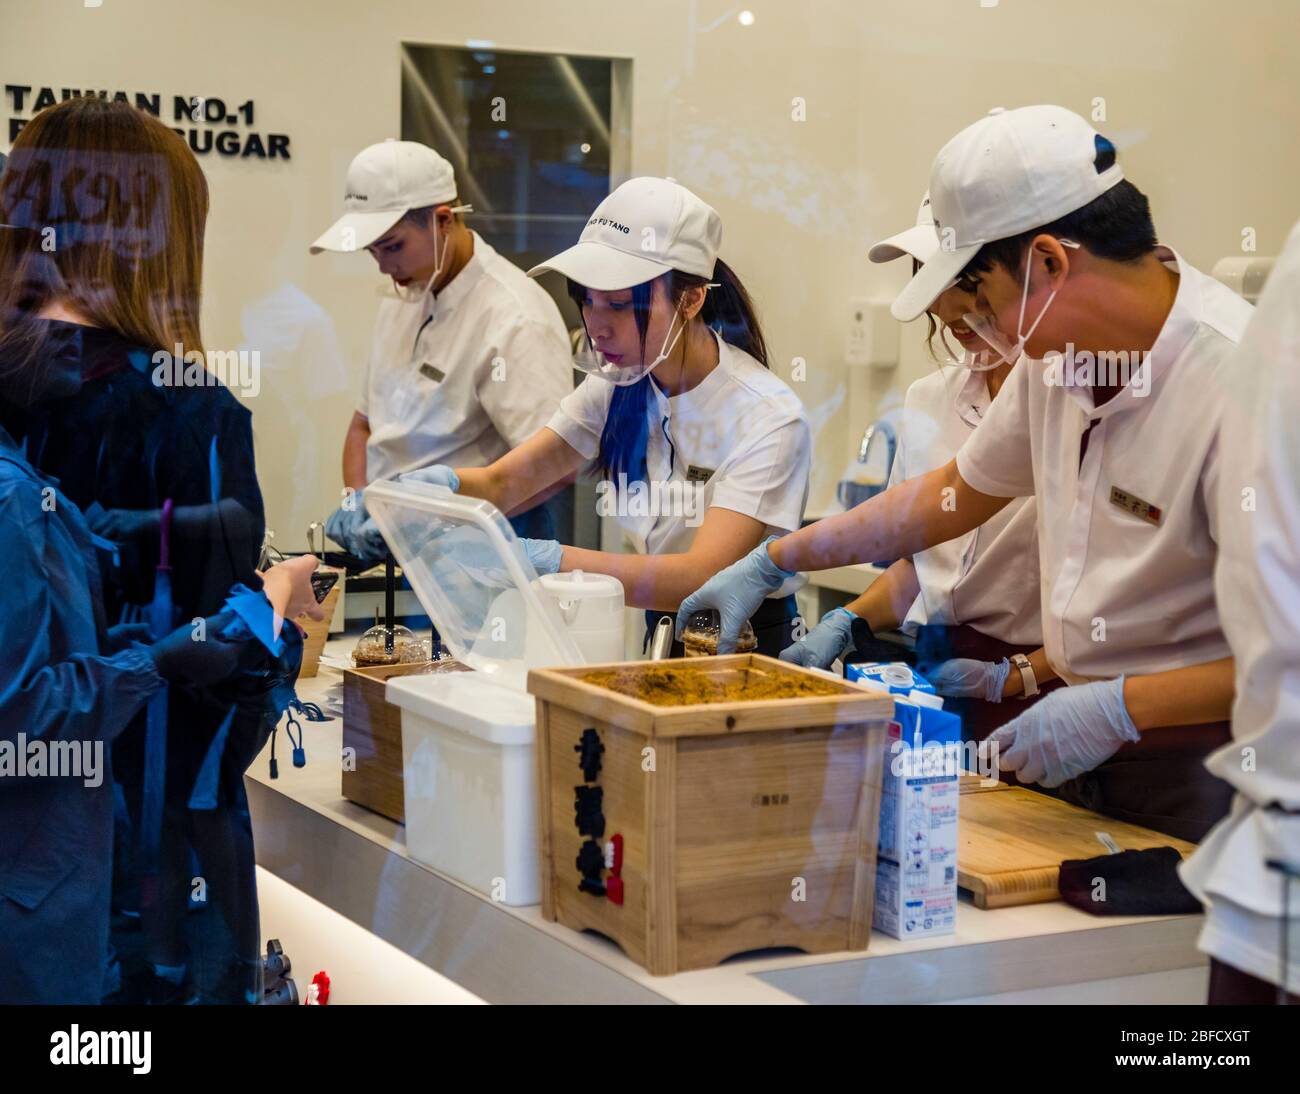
(887, 431)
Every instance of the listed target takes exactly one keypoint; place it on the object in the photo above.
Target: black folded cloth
(867, 648)
(1128, 883)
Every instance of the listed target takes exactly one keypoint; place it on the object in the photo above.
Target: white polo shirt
(463, 377)
(739, 440)
(988, 578)
(1258, 584)
(1127, 541)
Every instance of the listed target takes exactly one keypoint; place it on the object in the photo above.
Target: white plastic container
(592, 608)
(467, 774)
(468, 738)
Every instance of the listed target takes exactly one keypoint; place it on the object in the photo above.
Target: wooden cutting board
(969, 783)
(1010, 845)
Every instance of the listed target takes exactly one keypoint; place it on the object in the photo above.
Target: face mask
(593, 363)
(413, 294)
(1002, 347)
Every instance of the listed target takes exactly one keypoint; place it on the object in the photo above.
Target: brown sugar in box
(689, 831)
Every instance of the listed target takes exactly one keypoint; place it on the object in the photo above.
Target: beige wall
(1203, 98)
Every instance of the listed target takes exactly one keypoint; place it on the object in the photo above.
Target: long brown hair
(105, 210)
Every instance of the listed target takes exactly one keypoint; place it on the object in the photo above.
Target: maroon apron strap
(978, 717)
(1160, 782)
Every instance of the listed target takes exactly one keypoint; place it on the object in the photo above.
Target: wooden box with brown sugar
(694, 810)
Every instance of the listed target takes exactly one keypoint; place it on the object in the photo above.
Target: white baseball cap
(645, 228)
(920, 241)
(1011, 171)
(386, 181)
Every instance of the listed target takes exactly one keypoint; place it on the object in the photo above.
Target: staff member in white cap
(1036, 219)
(1258, 584)
(468, 357)
(970, 603)
(701, 451)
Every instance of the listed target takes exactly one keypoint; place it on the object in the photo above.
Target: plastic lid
(473, 578)
(500, 715)
(578, 585)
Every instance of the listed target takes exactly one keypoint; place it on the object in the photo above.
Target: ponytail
(729, 310)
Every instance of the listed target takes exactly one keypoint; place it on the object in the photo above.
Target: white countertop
(356, 861)
(846, 579)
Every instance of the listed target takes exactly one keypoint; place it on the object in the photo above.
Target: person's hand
(437, 474)
(966, 678)
(198, 655)
(287, 586)
(353, 529)
(121, 635)
(545, 554)
(125, 525)
(1067, 732)
(736, 593)
(825, 642)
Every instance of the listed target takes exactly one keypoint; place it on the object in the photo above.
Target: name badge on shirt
(1131, 503)
(699, 474)
(432, 372)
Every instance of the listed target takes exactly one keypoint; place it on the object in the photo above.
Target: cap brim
(597, 266)
(921, 242)
(930, 281)
(356, 231)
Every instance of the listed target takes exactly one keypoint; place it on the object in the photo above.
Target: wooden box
(744, 825)
(372, 728)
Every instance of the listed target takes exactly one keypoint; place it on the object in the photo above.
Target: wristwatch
(1029, 682)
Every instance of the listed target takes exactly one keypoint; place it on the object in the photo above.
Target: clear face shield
(590, 360)
(414, 293)
(1003, 348)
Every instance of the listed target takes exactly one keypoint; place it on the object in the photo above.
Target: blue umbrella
(155, 737)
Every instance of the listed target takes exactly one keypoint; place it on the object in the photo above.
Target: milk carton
(916, 862)
(894, 677)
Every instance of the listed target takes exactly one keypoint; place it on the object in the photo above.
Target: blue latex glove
(355, 530)
(545, 555)
(825, 642)
(736, 593)
(966, 678)
(437, 474)
(1067, 732)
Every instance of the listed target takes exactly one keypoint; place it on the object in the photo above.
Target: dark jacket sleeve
(53, 683)
(216, 542)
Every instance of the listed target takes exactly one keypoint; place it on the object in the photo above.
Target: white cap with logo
(1010, 172)
(920, 241)
(386, 181)
(645, 228)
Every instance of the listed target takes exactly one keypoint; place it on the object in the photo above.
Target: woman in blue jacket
(62, 703)
(103, 383)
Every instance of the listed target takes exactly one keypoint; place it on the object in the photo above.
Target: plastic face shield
(1000, 348)
(594, 363)
(412, 294)
(1004, 347)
